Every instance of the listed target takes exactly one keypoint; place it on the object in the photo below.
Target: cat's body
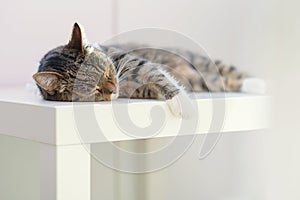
(82, 72)
(195, 72)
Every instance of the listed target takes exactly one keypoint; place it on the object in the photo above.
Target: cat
(79, 71)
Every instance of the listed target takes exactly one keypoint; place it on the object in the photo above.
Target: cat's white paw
(180, 105)
(254, 86)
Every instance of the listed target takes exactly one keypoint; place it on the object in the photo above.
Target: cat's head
(76, 72)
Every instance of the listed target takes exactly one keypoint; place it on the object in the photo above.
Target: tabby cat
(92, 72)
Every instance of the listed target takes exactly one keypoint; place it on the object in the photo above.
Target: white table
(66, 131)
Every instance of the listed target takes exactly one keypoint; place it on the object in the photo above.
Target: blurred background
(260, 37)
(248, 34)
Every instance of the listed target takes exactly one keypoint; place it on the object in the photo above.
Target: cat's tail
(254, 86)
(236, 81)
(220, 77)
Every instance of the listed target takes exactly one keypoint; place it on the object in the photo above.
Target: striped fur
(79, 72)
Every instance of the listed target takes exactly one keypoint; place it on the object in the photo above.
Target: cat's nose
(113, 90)
(110, 88)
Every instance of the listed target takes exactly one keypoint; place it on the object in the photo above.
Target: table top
(26, 115)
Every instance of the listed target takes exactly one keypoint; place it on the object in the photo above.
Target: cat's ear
(49, 81)
(76, 40)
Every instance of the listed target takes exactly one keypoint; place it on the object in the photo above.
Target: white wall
(284, 175)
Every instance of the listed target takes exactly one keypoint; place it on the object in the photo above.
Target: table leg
(65, 172)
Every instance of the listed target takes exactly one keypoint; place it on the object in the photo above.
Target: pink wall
(31, 28)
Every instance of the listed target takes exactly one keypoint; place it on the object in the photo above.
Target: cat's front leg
(176, 97)
(149, 81)
(180, 105)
